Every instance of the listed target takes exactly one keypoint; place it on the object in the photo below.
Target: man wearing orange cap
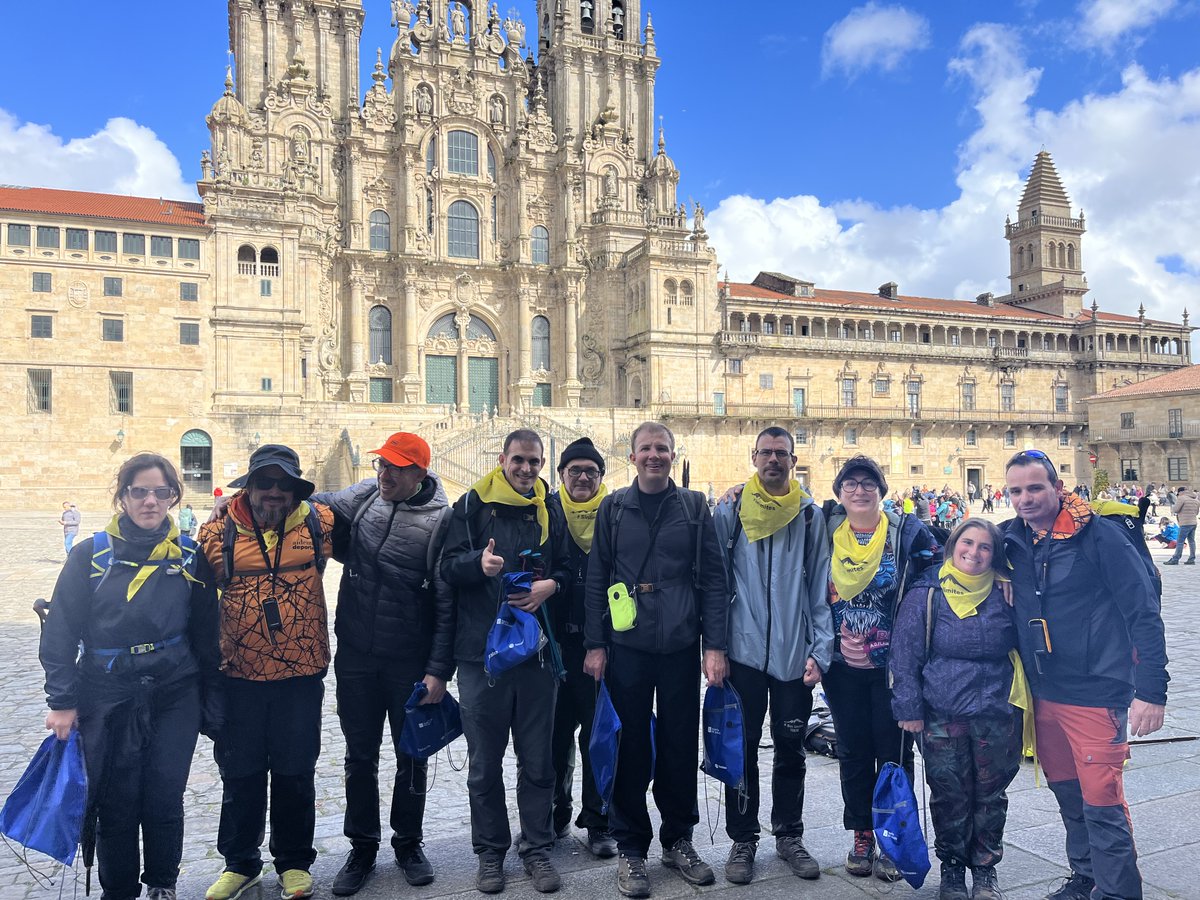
(395, 627)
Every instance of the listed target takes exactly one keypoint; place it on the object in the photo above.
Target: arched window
(463, 231)
(380, 323)
(381, 231)
(541, 246)
(491, 164)
(1020, 259)
(431, 155)
(541, 343)
(247, 260)
(1070, 256)
(1029, 250)
(587, 16)
(444, 327)
(270, 256)
(1050, 254)
(670, 292)
(618, 20)
(462, 153)
(685, 293)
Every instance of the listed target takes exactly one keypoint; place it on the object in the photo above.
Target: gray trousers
(520, 701)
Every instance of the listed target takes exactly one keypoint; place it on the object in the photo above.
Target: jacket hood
(431, 493)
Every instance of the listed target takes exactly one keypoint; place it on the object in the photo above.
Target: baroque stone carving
(591, 359)
(460, 93)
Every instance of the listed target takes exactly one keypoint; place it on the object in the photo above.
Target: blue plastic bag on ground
(898, 824)
(45, 810)
(603, 745)
(724, 736)
(429, 727)
(514, 637)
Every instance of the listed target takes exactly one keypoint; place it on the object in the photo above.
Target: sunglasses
(286, 483)
(141, 493)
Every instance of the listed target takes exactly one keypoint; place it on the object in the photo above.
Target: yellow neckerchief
(964, 592)
(1114, 508)
(1020, 697)
(853, 565)
(581, 517)
(763, 514)
(494, 488)
(167, 548)
(271, 537)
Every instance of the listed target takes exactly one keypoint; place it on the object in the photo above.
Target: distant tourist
(69, 520)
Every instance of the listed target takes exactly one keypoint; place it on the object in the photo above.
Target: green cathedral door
(483, 384)
(441, 380)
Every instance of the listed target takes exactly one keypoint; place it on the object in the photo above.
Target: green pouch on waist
(622, 608)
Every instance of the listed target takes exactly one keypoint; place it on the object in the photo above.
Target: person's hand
(490, 562)
(61, 721)
(218, 510)
(915, 726)
(436, 687)
(1006, 592)
(1144, 718)
(812, 672)
(716, 666)
(541, 591)
(595, 662)
(731, 495)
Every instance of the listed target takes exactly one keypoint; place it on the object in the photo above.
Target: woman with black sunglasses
(129, 639)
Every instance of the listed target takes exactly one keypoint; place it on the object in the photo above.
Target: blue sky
(850, 143)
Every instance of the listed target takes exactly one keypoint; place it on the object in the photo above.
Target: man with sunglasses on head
(268, 552)
(1091, 638)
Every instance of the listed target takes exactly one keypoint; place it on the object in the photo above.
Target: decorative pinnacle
(379, 76)
(1141, 310)
(1185, 317)
(229, 81)
(662, 136)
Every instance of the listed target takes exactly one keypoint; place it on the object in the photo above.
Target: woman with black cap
(875, 553)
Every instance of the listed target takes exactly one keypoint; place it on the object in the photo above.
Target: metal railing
(872, 412)
(1152, 432)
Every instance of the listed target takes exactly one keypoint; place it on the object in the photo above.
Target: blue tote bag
(429, 727)
(515, 636)
(898, 825)
(724, 736)
(45, 810)
(603, 746)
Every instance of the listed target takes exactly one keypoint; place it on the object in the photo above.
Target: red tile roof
(863, 300)
(1118, 317)
(1176, 382)
(101, 206)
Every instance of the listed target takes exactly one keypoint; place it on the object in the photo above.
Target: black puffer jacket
(568, 613)
(389, 604)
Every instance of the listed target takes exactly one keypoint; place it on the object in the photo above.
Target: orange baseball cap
(404, 449)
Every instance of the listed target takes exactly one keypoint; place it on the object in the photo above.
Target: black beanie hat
(581, 449)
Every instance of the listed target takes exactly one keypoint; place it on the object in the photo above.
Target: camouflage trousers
(968, 765)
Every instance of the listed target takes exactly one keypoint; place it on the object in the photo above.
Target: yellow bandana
(167, 548)
(853, 565)
(271, 537)
(1114, 508)
(1020, 697)
(494, 488)
(581, 517)
(763, 514)
(964, 592)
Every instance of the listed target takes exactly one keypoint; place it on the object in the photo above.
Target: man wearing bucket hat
(268, 553)
(395, 627)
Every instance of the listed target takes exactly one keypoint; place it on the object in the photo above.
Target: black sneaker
(885, 869)
(683, 858)
(601, 844)
(542, 874)
(1189, 562)
(632, 880)
(984, 885)
(1166, 562)
(791, 850)
(954, 883)
(1074, 887)
(415, 865)
(490, 877)
(739, 866)
(353, 874)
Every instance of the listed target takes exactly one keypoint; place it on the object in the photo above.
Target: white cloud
(1126, 158)
(1106, 21)
(121, 158)
(873, 36)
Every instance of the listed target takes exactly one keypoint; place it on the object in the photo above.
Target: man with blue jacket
(780, 640)
(1090, 634)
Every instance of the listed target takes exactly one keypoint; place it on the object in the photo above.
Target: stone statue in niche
(424, 100)
(610, 183)
(496, 110)
(458, 23)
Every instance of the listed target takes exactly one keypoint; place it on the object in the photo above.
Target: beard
(269, 517)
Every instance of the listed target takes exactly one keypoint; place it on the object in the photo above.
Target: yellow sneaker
(231, 885)
(295, 884)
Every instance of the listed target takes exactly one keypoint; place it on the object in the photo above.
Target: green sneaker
(295, 884)
(231, 885)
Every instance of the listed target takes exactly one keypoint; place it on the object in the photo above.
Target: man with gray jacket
(1185, 508)
(780, 641)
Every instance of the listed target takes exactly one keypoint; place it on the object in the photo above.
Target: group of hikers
(959, 645)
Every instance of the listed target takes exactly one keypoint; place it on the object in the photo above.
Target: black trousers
(791, 705)
(371, 690)
(272, 730)
(639, 683)
(867, 736)
(574, 710)
(142, 755)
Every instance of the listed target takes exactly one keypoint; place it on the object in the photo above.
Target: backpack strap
(929, 620)
(435, 544)
(696, 507)
(228, 537)
(313, 520)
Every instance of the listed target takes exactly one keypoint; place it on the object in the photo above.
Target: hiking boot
(541, 873)
(561, 834)
(1189, 562)
(160, 893)
(683, 858)
(739, 865)
(885, 869)
(231, 886)
(490, 877)
(984, 884)
(1074, 887)
(954, 883)
(295, 884)
(353, 874)
(632, 880)
(1170, 562)
(601, 844)
(861, 855)
(791, 850)
(415, 865)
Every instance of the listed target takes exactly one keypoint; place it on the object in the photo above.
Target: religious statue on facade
(496, 110)
(424, 100)
(458, 23)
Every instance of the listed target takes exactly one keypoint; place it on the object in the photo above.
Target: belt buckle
(645, 588)
(139, 649)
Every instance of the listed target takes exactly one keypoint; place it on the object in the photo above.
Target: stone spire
(1044, 192)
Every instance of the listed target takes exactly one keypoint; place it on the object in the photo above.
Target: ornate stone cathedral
(489, 236)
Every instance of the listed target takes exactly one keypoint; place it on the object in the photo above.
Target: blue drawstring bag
(45, 810)
(517, 583)
(724, 736)
(603, 745)
(429, 727)
(898, 826)
(514, 637)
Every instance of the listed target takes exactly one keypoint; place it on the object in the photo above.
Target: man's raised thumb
(491, 547)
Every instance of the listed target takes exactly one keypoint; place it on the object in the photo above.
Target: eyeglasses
(850, 485)
(141, 493)
(589, 474)
(382, 465)
(286, 483)
(777, 454)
